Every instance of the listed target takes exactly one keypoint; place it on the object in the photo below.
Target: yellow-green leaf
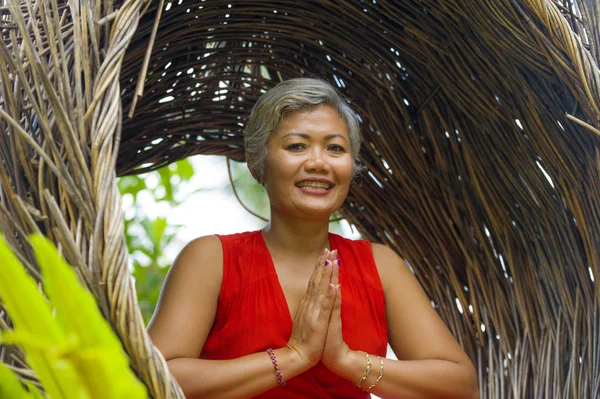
(10, 387)
(33, 391)
(31, 316)
(100, 359)
(22, 299)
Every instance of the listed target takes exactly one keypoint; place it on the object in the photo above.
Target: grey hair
(294, 95)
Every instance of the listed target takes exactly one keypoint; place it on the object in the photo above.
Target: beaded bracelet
(378, 377)
(280, 379)
(366, 371)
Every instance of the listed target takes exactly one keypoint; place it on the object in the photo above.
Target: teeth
(314, 184)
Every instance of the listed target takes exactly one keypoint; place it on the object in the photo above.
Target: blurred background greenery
(148, 236)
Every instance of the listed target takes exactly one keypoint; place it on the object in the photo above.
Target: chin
(316, 213)
(317, 218)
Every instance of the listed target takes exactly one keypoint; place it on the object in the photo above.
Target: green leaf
(184, 169)
(99, 357)
(33, 391)
(165, 182)
(157, 231)
(15, 285)
(10, 386)
(131, 185)
(32, 316)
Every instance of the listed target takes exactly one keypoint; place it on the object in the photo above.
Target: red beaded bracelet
(280, 379)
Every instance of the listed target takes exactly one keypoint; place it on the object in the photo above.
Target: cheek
(344, 169)
(279, 172)
(282, 168)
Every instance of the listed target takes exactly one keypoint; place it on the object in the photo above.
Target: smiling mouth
(314, 185)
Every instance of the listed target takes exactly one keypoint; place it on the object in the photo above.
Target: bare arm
(185, 314)
(432, 365)
(243, 377)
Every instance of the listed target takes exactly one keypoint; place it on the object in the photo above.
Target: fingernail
(335, 252)
(338, 261)
(326, 263)
(324, 252)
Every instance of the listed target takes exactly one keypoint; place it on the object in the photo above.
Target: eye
(336, 148)
(296, 147)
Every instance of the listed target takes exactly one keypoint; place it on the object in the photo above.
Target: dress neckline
(279, 297)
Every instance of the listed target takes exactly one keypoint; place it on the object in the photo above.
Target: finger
(327, 304)
(302, 306)
(326, 277)
(333, 313)
(317, 274)
(331, 257)
(336, 314)
(335, 273)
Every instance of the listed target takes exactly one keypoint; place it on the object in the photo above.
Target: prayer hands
(309, 332)
(335, 347)
(317, 331)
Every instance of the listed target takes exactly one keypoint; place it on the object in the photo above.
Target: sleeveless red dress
(252, 313)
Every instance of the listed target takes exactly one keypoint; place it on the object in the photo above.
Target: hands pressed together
(317, 331)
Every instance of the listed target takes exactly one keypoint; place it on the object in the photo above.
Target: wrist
(297, 359)
(350, 366)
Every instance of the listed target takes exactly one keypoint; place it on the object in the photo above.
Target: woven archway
(480, 123)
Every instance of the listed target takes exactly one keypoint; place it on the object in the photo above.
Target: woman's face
(309, 164)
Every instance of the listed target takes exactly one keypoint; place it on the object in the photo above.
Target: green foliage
(252, 194)
(11, 387)
(67, 342)
(147, 237)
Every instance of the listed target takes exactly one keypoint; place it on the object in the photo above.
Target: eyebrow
(306, 136)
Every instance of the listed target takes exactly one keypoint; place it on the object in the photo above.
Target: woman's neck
(296, 237)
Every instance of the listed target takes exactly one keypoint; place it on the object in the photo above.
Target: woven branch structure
(481, 122)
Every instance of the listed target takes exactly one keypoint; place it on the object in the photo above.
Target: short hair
(294, 95)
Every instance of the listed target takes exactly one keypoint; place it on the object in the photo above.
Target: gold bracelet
(366, 372)
(378, 377)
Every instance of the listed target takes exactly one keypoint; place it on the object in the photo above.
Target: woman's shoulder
(199, 247)
(241, 236)
(217, 250)
(391, 267)
(214, 242)
(205, 251)
(384, 252)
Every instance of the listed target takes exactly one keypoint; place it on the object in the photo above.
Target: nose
(317, 162)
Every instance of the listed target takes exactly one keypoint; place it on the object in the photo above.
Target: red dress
(252, 312)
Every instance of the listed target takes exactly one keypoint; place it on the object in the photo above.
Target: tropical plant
(67, 342)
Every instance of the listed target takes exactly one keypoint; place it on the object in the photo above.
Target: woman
(293, 311)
